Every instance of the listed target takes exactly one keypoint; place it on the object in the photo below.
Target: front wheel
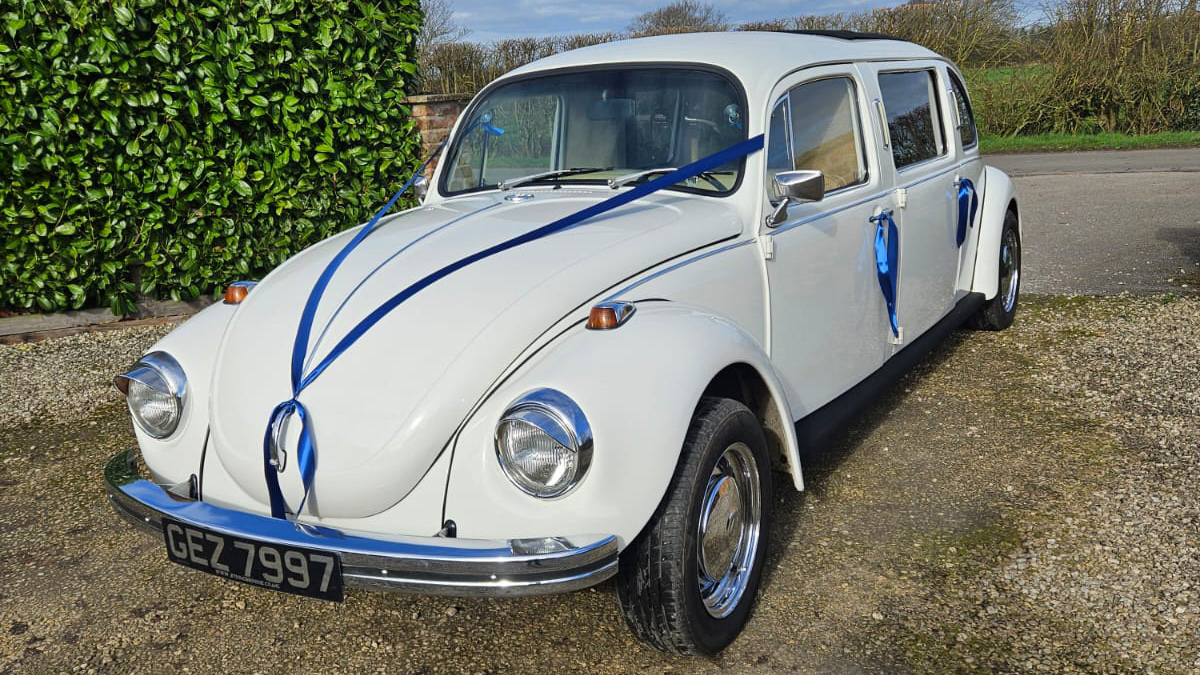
(687, 583)
(999, 312)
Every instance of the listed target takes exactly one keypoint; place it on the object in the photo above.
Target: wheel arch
(743, 383)
(999, 198)
(639, 386)
(1013, 209)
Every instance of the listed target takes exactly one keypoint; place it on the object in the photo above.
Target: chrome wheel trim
(727, 535)
(1010, 269)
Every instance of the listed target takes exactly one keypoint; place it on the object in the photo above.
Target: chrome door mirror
(796, 187)
(421, 187)
(800, 186)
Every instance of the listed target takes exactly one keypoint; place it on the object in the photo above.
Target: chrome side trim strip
(924, 163)
(428, 565)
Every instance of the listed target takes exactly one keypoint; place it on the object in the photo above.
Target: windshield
(592, 126)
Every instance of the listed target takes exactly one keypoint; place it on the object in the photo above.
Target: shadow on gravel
(820, 463)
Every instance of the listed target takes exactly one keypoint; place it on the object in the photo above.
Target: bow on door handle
(968, 203)
(887, 264)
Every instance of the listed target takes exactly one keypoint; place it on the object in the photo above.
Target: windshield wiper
(634, 177)
(547, 175)
(628, 178)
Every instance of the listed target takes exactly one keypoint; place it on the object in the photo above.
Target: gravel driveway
(1025, 501)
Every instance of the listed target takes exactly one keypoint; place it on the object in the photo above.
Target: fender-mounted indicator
(609, 315)
(236, 292)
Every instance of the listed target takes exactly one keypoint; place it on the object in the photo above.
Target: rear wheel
(999, 312)
(687, 583)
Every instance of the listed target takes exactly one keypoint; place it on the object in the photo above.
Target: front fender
(193, 344)
(999, 192)
(638, 385)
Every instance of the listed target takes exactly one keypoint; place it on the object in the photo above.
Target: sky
(491, 20)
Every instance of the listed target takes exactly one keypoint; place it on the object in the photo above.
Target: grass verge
(1101, 141)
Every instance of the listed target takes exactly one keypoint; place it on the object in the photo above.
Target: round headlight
(154, 389)
(544, 443)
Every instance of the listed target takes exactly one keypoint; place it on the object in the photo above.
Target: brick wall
(434, 116)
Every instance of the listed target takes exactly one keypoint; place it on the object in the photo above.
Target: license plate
(279, 567)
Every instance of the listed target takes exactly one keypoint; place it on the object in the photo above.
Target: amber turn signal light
(237, 291)
(609, 315)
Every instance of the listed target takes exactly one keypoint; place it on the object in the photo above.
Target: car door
(922, 162)
(828, 322)
(968, 179)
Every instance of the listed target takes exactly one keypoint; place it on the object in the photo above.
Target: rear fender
(999, 193)
(639, 386)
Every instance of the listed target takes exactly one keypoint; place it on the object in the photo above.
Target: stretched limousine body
(644, 277)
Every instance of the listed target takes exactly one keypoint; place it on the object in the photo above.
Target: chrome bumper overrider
(429, 565)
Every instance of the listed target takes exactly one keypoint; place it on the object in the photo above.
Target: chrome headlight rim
(160, 372)
(542, 405)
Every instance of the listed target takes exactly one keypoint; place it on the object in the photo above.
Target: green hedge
(166, 147)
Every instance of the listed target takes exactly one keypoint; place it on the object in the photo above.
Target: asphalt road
(1104, 223)
(928, 540)
(1098, 161)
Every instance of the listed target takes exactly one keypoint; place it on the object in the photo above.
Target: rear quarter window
(962, 108)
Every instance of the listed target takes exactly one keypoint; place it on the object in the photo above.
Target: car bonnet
(384, 411)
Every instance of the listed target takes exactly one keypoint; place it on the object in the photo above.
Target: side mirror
(796, 186)
(421, 187)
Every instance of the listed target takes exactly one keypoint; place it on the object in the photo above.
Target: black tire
(999, 312)
(659, 577)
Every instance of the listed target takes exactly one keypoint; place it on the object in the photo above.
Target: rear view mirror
(619, 109)
(795, 186)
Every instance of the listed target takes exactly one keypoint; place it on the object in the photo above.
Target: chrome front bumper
(428, 565)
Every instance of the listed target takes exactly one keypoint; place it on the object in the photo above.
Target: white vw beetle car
(646, 275)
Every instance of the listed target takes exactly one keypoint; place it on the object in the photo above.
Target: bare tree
(682, 16)
(439, 27)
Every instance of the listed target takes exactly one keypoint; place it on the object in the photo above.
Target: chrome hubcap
(728, 532)
(1010, 269)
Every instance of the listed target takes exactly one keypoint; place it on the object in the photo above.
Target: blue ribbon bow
(306, 454)
(485, 120)
(968, 201)
(887, 263)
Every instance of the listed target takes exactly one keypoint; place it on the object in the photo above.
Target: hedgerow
(166, 147)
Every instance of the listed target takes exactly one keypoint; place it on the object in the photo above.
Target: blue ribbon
(887, 263)
(968, 201)
(485, 120)
(306, 454)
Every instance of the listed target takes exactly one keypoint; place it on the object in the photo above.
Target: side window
(826, 133)
(962, 105)
(914, 121)
(779, 149)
